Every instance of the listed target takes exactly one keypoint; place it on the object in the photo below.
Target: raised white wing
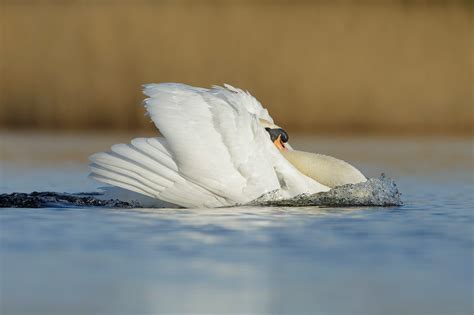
(239, 98)
(216, 143)
(214, 152)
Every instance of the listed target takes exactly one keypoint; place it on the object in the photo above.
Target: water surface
(415, 259)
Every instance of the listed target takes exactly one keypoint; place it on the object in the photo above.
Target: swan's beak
(279, 144)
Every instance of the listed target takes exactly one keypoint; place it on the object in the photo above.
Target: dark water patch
(54, 199)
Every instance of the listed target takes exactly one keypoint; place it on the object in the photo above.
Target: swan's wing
(240, 98)
(216, 144)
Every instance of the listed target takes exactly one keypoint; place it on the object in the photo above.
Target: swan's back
(324, 169)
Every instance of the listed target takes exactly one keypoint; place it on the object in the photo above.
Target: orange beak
(279, 144)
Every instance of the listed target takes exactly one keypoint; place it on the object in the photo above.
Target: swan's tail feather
(146, 166)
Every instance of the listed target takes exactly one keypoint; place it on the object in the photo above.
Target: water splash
(380, 191)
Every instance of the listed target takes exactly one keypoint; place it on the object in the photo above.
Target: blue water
(415, 259)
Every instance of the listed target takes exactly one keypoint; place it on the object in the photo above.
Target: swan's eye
(277, 132)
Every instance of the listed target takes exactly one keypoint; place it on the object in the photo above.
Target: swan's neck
(324, 169)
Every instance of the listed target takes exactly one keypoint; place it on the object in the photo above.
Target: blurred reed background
(385, 67)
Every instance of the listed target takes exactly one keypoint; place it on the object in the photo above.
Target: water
(415, 259)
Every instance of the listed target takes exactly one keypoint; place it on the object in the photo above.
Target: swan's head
(278, 136)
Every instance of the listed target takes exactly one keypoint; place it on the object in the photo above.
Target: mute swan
(220, 147)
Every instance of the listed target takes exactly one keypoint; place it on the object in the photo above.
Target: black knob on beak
(275, 132)
(284, 136)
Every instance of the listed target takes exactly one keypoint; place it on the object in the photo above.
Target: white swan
(220, 147)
